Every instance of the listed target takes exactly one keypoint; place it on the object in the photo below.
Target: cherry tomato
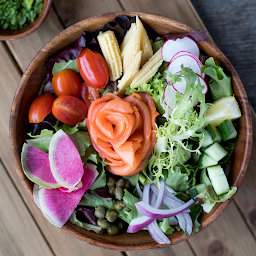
(89, 94)
(69, 110)
(40, 107)
(67, 82)
(93, 68)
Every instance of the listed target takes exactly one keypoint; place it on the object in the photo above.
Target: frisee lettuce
(182, 123)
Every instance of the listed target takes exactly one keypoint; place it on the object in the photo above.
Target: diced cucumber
(216, 151)
(207, 139)
(227, 130)
(206, 161)
(218, 179)
(204, 178)
(214, 133)
(195, 158)
(215, 171)
(196, 190)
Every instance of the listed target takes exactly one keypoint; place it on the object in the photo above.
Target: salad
(131, 131)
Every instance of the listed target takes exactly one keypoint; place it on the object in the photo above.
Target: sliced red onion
(152, 212)
(145, 194)
(157, 234)
(143, 221)
(182, 221)
(189, 223)
(139, 223)
(170, 200)
(173, 221)
(139, 190)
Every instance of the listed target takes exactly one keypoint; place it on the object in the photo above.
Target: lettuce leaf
(220, 83)
(130, 201)
(80, 224)
(71, 64)
(208, 198)
(155, 88)
(91, 200)
(165, 226)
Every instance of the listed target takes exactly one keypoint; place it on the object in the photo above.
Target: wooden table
(23, 229)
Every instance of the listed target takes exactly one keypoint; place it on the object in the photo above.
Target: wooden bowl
(8, 34)
(35, 74)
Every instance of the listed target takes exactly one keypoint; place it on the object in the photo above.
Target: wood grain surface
(237, 230)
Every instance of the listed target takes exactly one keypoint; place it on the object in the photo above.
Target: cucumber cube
(215, 171)
(220, 184)
(216, 151)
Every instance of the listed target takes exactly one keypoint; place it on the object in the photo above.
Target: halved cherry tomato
(40, 107)
(69, 110)
(67, 82)
(93, 68)
(89, 94)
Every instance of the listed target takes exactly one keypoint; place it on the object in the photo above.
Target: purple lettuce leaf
(120, 26)
(48, 123)
(85, 214)
(198, 36)
(102, 192)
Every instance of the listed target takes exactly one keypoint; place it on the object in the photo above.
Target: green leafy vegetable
(17, 14)
(157, 45)
(95, 201)
(220, 84)
(101, 180)
(80, 224)
(71, 64)
(130, 201)
(165, 226)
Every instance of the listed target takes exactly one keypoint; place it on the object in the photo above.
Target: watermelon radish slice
(65, 161)
(36, 166)
(171, 47)
(187, 61)
(56, 205)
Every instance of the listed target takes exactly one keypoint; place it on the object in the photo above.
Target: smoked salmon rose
(123, 131)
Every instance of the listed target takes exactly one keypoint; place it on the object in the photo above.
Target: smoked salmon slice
(123, 131)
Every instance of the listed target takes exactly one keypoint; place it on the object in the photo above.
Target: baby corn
(111, 51)
(132, 48)
(148, 70)
(130, 74)
(145, 45)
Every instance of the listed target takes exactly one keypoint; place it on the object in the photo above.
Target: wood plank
(180, 10)
(228, 235)
(25, 49)
(76, 10)
(175, 250)
(60, 242)
(19, 234)
(245, 198)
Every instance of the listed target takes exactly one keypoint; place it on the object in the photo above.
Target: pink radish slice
(65, 161)
(187, 61)
(185, 53)
(169, 95)
(171, 47)
(181, 86)
(56, 205)
(36, 166)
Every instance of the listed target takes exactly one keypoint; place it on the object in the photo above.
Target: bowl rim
(31, 27)
(70, 228)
